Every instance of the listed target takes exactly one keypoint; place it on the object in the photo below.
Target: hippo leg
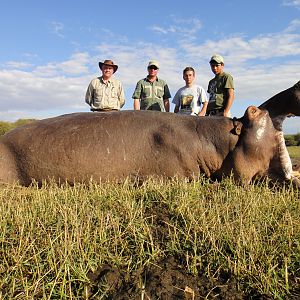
(8, 167)
(285, 162)
(284, 157)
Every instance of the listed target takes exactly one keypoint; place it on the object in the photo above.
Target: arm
(166, 97)
(202, 99)
(229, 102)
(137, 96)
(176, 101)
(89, 94)
(202, 113)
(121, 96)
(167, 105)
(136, 104)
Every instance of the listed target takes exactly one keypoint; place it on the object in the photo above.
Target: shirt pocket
(146, 93)
(159, 92)
(98, 95)
(114, 93)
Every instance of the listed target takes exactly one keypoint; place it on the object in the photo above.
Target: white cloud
(57, 28)
(76, 65)
(17, 65)
(186, 29)
(261, 66)
(293, 26)
(295, 3)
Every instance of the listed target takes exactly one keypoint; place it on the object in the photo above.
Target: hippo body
(115, 145)
(106, 146)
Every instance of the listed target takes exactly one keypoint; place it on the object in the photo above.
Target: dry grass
(50, 238)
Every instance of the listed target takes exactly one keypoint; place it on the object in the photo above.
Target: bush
(6, 126)
(292, 139)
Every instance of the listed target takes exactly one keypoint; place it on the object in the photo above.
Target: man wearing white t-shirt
(188, 99)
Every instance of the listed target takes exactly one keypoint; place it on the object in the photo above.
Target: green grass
(50, 238)
(294, 151)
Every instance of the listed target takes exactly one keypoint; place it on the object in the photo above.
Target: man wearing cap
(105, 93)
(220, 89)
(152, 93)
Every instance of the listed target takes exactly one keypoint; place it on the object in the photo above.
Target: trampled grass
(52, 237)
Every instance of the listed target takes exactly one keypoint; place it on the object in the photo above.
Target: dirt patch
(166, 280)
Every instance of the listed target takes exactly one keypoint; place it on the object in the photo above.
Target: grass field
(294, 151)
(197, 240)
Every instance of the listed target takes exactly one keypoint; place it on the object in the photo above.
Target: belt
(104, 109)
(215, 111)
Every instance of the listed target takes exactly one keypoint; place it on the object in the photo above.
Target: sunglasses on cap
(153, 67)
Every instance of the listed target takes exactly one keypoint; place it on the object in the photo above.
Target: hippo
(113, 146)
(80, 147)
(282, 105)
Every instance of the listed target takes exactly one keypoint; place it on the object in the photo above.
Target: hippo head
(257, 121)
(283, 104)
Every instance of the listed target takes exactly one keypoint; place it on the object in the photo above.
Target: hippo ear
(237, 126)
(251, 112)
(237, 129)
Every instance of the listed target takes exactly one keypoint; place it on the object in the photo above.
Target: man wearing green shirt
(152, 93)
(220, 89)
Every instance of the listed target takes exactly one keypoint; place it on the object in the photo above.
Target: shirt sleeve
(138, 91)
(176, 99)
(167, 94)
(121, 96)
(89, 93)
(202, 95)
(229, 82)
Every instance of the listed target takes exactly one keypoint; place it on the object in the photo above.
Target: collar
(219, 75)
(147, 79)
(108, 81)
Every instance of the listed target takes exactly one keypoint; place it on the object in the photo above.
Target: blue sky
(50, 49)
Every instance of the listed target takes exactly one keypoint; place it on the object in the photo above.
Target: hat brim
(216, 62)
(101, 64)
(153, 65)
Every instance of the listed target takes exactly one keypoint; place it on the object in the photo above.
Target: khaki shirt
(105, 96)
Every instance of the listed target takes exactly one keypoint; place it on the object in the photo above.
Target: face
(107, 71)
(216, 68)
(189, 77)
(152, 71)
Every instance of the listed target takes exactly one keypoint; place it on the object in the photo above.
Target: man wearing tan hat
(105, 93)
(152, 93)
(220, 89)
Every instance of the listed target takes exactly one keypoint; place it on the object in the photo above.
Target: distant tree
(6, 126)
(297, 138)
(21, 122)
(292, 139)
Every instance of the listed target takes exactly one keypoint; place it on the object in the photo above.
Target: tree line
(7, 126)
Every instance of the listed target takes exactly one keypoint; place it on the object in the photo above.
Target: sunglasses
(153, 67)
